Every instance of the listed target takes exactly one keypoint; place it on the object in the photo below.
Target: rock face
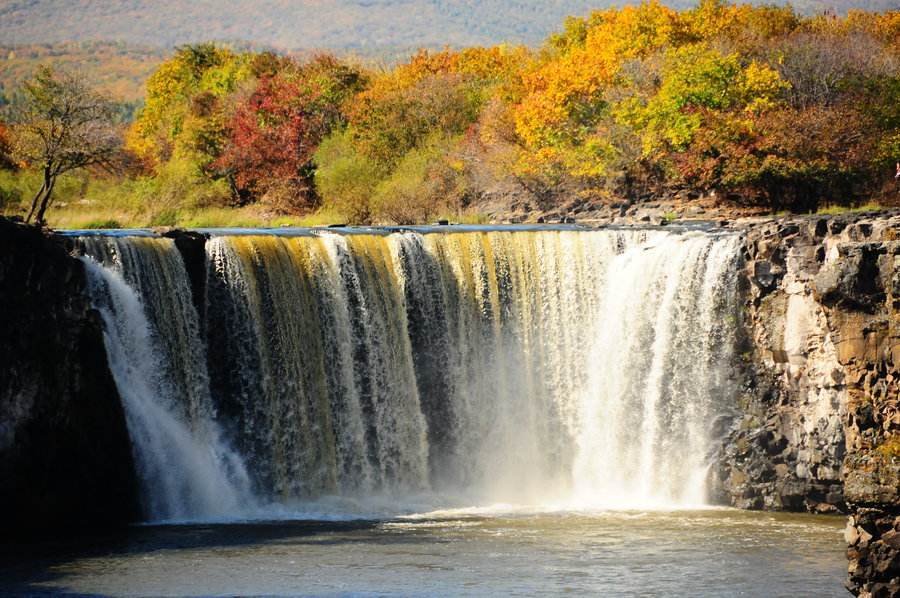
(819, 428)
(65, 455)
(192, 247)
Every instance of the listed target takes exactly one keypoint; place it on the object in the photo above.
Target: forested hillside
(335, 24)
(756, 105)
(117, 69)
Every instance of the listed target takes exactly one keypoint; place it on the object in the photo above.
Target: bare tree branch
(63, 125)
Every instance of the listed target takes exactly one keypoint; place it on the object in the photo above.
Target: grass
(467, 218)
(835, 210)
(83, 201)
(251, 217)
(102, 224)
(91, 216)
(88, 202)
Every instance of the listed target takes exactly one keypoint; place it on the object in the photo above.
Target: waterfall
(534, 367)
(658, 373)
(156, 360)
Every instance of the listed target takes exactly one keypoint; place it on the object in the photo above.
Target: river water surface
(716, 552)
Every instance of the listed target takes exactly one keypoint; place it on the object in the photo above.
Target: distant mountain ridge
(333, 24)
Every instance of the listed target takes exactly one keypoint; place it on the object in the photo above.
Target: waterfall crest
(579, 368)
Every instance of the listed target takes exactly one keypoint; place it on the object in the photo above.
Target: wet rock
(873, 553)
(765, 274)
(192, 246)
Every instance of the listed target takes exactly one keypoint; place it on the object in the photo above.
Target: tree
(696, 79)
(275, 131)
(273, 137)
(434, 93)
(183, 110)
(62, 125)
(6, 158)
(823, 67)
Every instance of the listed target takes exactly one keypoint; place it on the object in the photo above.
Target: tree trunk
(35, 201)
(49, 183)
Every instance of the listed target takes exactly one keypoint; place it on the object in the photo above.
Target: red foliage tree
(274, 134)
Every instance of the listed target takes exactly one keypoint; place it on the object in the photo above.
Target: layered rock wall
(819, 427)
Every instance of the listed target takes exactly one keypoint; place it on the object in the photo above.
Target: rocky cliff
(65, 455)
(819, 428)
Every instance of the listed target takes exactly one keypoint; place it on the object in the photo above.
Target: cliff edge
(819, 423)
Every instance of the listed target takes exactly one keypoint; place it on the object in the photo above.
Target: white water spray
(186, 471)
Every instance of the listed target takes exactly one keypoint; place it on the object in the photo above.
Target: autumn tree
(696, 79)
(403, 147)
(756, 101)
(823, 67)
(184, 113)
(62, 125)
(6, 148)
(272, 140)
(274, 133)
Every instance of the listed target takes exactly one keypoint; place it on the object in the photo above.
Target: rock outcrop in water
(820, 429)
(65, 456)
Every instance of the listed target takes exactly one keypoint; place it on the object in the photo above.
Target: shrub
(426, 183)
(345, 179)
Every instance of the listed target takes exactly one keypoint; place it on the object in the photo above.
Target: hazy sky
(311, 23)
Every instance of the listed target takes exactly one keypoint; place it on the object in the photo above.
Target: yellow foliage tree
(564, 96)
(182, 109)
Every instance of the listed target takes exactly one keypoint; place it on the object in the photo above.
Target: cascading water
(555, 367)
(157, 362)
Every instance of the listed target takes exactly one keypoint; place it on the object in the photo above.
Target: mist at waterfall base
(418, 413)
(372, 375)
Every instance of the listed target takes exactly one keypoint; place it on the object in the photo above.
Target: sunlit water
(465, 552)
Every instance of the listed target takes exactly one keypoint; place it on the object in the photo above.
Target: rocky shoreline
(817, 427)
